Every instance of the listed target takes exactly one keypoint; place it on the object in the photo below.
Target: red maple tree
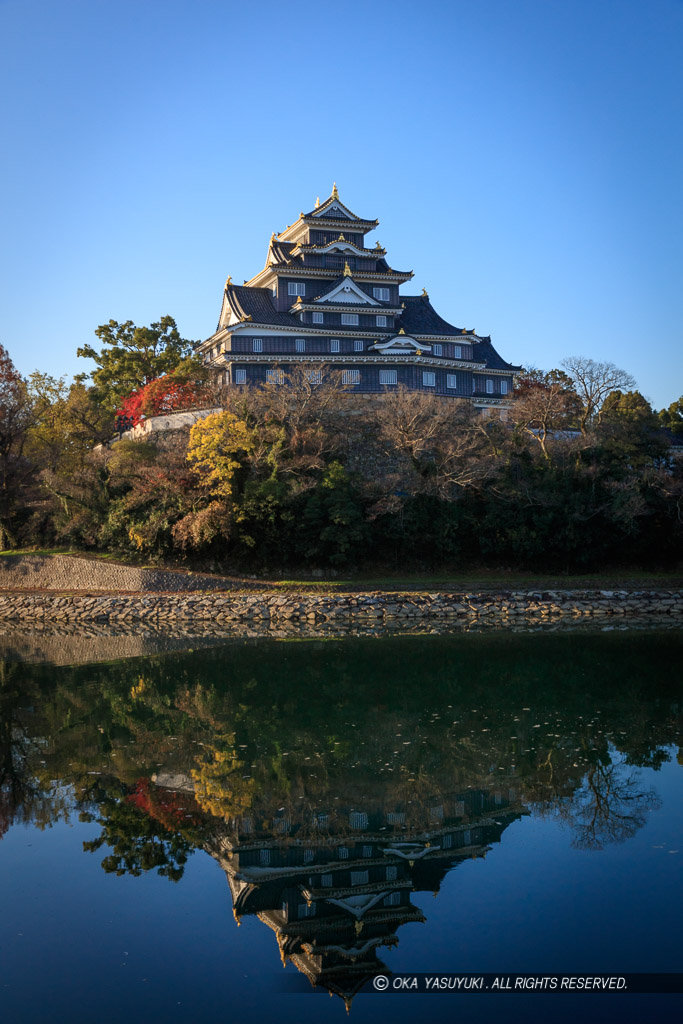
(162, 396)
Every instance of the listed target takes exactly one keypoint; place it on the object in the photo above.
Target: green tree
(133, 356)
(16, 471)
(67, 422)
(332, 529)
(672, 418)
(629, 406)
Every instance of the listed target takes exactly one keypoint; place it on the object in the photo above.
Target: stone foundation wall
(373, 609)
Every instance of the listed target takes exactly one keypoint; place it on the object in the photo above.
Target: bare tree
(448, 443)
(593, 382)
(545, 405)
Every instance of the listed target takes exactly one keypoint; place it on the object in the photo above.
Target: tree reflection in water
(608, 807)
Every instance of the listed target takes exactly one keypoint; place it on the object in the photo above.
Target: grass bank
(481, 580)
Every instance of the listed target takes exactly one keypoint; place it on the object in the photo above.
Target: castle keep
(324, 297)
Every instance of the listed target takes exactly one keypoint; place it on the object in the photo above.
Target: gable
(348, 291)
(335, 210)
(401, 343)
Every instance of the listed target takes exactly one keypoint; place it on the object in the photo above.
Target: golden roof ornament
(347, 269)
(335, 194)
(401, 331)
(272, 238)
(425, 293)
(317, 202)
(377, 245)
(341, 239)
(228, 282)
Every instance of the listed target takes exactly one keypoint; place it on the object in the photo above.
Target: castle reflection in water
(337, 888)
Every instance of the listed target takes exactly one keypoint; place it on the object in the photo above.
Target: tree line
(300, 473)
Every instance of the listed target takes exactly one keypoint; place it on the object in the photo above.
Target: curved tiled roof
(258, 304)
(281, 251)
(420, 317)
(487, 354)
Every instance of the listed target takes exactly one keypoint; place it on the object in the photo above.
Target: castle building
(325, 298)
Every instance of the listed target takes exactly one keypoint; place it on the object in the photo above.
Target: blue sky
(524, 158)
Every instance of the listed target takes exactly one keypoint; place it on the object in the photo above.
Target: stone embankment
(375, 609)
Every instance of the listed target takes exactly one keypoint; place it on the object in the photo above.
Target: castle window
(360, 877)
(275, 376)
(503, 387)
(351, 377)
(240, 376)
(309, 856)
(301, 344)
(391, 873)
(315, 377)
(388, 376)
(318, 318)
(451, 380)
(437, 350)
(358, 346)
(326, 880)
(264, 858)
(334, 345)
(457, 351)
(306, 910)
(381, 321)
(489, 387)
(350, 319)
(296, 288)
(428, 379)
(343, 852)
(367, 851)
(381, 293)
(257, 344)
(392, 900)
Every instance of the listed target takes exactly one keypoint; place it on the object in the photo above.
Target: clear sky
(524, 158)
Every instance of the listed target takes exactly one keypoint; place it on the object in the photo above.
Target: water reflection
(332, 782)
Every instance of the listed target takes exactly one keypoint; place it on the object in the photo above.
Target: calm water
(233, 834)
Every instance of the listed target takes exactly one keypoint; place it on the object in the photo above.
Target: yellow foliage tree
(220, 788)
(217, 448)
